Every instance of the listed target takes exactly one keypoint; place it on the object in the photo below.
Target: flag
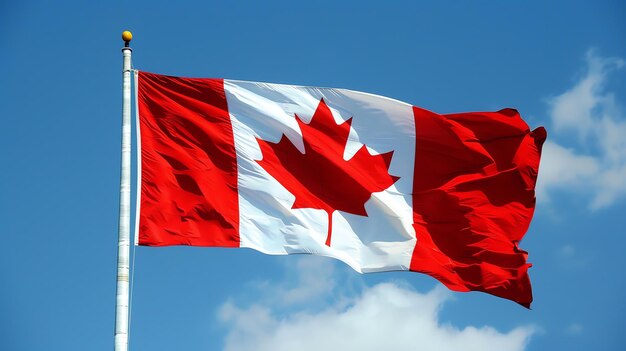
(374, 182)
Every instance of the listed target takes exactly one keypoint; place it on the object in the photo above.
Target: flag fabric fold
(372, 181)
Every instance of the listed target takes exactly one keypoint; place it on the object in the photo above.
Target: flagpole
(123, 248)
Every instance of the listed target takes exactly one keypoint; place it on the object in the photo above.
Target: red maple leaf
(321, 178)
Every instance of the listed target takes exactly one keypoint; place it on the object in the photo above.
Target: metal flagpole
(123, 250)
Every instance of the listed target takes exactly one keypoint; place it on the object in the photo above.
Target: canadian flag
(374, 182)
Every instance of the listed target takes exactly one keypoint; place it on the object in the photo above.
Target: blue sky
(562, 65)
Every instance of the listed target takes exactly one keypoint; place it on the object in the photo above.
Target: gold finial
(127, 36)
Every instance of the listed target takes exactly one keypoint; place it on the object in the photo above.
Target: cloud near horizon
(595, 164)
(387, 316)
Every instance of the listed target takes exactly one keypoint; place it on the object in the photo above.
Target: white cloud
(562, 168)
(596, 163)
(307, 277)
(313, 278)
(383, 317)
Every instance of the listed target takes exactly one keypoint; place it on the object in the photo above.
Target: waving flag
(374, 182)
